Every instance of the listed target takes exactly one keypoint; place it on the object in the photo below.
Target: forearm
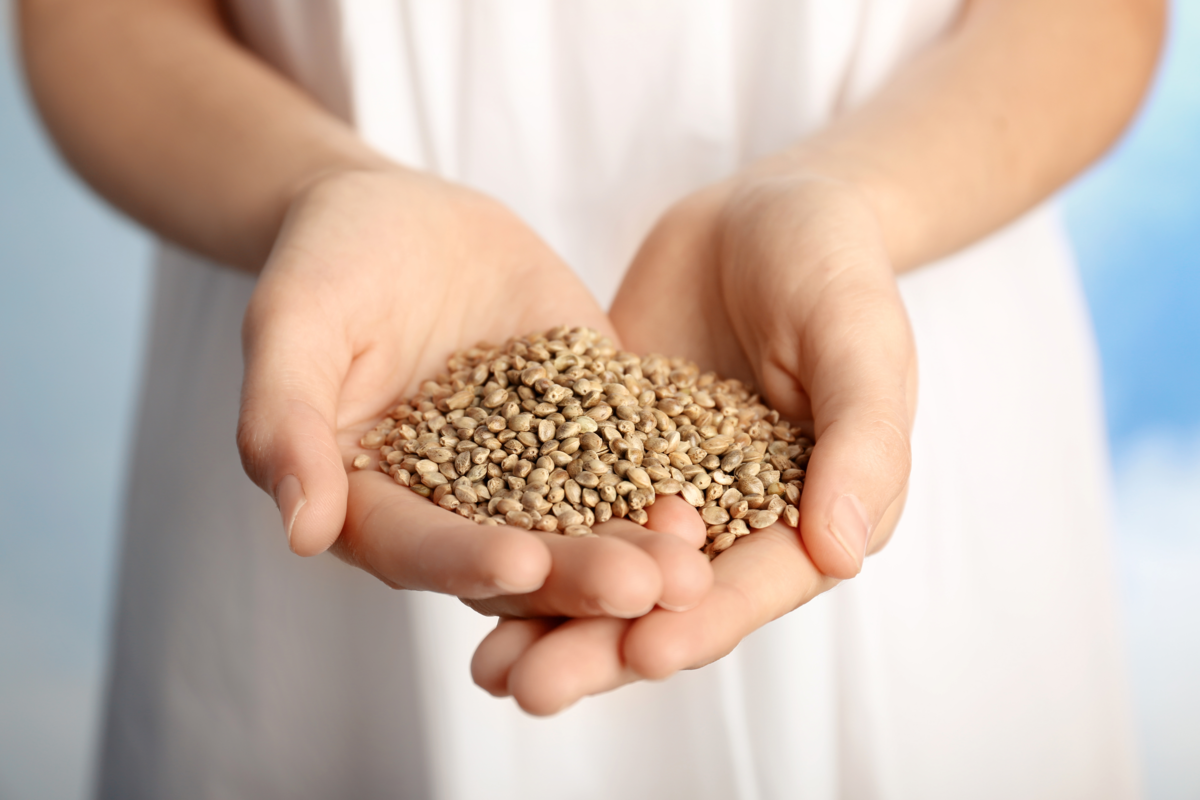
(1017, 99)
(168, 117)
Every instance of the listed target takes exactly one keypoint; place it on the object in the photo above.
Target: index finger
(410, 543)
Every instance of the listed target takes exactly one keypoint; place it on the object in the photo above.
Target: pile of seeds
(559, 431)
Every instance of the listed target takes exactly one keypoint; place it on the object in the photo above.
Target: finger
(686, 572)
(581, 657)
(602, 575)
(672, 514)
(863, 394)
(501, 648)
(286, 429)
(761, 577)
(410, 543)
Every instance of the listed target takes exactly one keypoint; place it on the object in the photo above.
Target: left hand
(785, 283)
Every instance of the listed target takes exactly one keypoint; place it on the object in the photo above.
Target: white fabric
(977, 656)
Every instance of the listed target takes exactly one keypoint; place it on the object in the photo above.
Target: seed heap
(560, 431)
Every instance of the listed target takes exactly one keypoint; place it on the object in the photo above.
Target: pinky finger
(581, 657)
(501, 648)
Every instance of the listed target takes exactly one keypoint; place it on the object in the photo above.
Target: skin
(791, 263)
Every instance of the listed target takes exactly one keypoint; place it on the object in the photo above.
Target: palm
(791, 293)
(374, 282)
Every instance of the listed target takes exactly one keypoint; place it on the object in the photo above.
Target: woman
(362, 159)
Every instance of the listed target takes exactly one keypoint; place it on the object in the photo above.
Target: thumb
(863, 401)
(288, 422)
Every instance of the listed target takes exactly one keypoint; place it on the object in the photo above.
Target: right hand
(375, 278)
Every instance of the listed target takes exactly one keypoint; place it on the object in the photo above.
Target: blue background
(73, 291)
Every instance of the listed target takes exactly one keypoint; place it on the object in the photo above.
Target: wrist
(822, 170)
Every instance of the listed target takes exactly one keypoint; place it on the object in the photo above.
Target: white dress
(977, 656)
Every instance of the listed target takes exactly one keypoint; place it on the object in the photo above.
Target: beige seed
(531, 375)
(591, 442)
(433, 479)
(595, 466)
(717, 445)
(507, 505)
(668, 486)
(751, 486)
(657, 473)
(620, 507)
(692, 495)
(761, 519)
(731, 461)
(723, 541)
(568, 517)
(520, 519)
(747, 471)
(680, 460)
(714, 515)
(791, 516)
(639, 516)
(373, 440)
(638, 477)
(495, 398)
(362, 461)
(603, 512)
(461, 399)
(738, 527)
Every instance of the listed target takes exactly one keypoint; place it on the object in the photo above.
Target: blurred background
(74, 280)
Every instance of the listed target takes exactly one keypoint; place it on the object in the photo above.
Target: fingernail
(508, 588)
(678, 609)
(848, 524)
(614, 612)
(289, 496)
